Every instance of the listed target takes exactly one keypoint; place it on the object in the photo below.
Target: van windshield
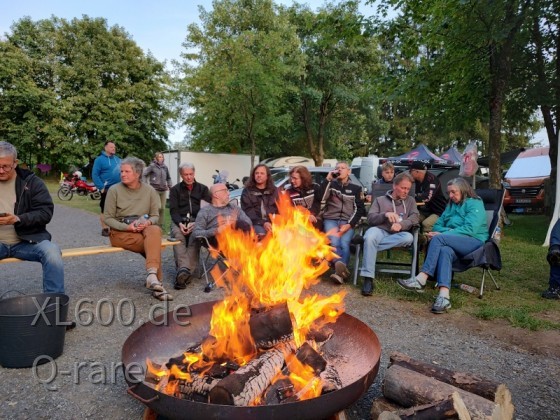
(529, 167)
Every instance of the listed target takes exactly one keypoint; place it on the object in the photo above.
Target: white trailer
(206, 164)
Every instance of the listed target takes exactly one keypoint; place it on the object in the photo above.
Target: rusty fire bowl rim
(353, 339)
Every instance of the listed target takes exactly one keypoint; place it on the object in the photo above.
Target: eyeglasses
(7, 168)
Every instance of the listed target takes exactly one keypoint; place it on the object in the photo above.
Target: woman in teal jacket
(460, 230)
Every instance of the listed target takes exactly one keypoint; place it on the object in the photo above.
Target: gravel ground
(85, 383)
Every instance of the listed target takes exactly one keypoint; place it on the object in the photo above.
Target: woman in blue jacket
(460, 230)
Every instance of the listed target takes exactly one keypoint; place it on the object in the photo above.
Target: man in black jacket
(184, 203)
(428, 191)
(26, 208)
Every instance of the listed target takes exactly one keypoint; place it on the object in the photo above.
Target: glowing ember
(263, 274)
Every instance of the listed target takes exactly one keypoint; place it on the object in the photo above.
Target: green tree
(235, 76)
(334, 92)
(67, 87)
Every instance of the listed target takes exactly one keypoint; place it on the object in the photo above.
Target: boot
(367, 286)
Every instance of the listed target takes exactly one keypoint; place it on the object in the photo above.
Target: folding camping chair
(212, 259)
(488, 256)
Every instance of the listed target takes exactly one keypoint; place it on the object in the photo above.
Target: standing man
(428, 191)
(391, 218)
(184, 203)
(106, 172)
(553, 258)
(26, 208)
(258, 199)
(344, 208)
(159, 178)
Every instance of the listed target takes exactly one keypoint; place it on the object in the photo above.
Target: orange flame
(274, 270)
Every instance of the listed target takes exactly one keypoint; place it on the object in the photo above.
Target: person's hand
(8, 219)
(392, 217)
(267, 226)
(430, 235)
(312, 218)
(396, 227)
(344, 228)
(368, 198)
(330, 176)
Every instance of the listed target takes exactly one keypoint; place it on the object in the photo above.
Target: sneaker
(182, 279)
(337, 278)
(411, 284)
(441, 305)
(105, 232)
(551, 293)
(341, 270)
(368, 285)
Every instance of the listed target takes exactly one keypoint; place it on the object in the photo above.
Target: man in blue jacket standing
(26, 208)
(106, 173)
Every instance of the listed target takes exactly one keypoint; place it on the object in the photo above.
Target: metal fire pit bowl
(354, 349)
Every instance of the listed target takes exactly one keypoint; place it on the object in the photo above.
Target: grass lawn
(524, 275)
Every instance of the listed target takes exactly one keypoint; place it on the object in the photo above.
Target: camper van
(524, 181)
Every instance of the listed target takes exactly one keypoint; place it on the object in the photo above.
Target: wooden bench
(92, 250)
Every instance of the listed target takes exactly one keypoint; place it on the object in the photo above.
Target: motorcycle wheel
(65, 193)
(96, 195)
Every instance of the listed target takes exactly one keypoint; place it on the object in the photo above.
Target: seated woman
(125, 205)
(303, 192)
(258, 199)
(460, 230)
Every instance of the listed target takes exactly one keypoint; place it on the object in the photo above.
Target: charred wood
(242, 387)
(271, 326)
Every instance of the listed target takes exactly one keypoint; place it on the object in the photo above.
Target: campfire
(266, 337)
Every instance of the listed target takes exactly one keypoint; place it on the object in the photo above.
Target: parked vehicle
(524, 181)
(281, 177)
(76, 184)
(221, 177)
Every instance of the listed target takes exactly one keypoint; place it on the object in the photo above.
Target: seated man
(26, 208)
(428, 191)
(391, 218)
(125, 206)
(213, 219)
(184, 204)
(553, 257)
(343, 210)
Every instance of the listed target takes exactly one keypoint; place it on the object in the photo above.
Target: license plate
(523, 201)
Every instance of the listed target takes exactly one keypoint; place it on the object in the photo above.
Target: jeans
(45, 252)
(376, 240)
(443, 250)
(340, 243)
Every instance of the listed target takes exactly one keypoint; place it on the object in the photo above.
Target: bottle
(141, 220)
(497, 234)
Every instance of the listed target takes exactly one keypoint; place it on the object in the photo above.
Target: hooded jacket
(386, 203)
(106, 171)
(158, 176)
(34, 207)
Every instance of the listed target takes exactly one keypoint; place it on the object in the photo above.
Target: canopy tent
(420, 153)
(452, 155)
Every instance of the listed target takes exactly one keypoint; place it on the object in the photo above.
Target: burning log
(199, 385)
(486, 388)
(308, 356)
(452, 407)
(242, 387)
(282, 390)
(330, 379)
(410, 388)
(271, 326)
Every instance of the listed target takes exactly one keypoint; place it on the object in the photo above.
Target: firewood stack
(414, 389)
